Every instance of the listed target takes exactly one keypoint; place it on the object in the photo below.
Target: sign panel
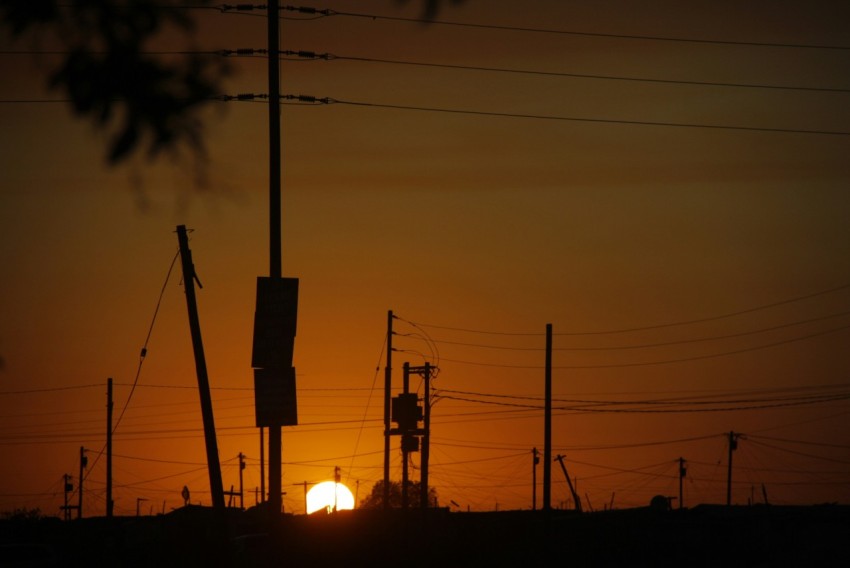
(274, 397)
(275, 322)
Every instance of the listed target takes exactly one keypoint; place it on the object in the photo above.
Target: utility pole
(534, 461)
(275, 254)
(83, 464)
(241, 489)
(262, 466)
(426, 438)
(733, 445)
(547, 425)
(68, 486)
(189, 279)
(109, 503)
(406, 438)
(337, 479)
(682, 472)
(387, 406)
(576, 498)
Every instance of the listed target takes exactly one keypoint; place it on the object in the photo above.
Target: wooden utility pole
(733, 445)
(68, 488)
(405, 451)
(573, 492)
(83, 463)
(387, 405)
(262, 466)
(534, 461)
(426, 439)
(189, 279)
(109, 503)
(241, 487)
(682, 472)
(547, 424)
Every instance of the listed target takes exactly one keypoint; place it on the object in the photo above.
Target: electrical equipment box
(406, 411)
(409, 443)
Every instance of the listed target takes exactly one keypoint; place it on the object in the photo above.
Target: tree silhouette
(141, 99)
(375, 500)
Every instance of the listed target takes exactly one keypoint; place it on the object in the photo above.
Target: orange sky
(476, 231)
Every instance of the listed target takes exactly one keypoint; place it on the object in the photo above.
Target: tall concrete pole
(275, 256)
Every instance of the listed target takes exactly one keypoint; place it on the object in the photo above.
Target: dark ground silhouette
(190, 536)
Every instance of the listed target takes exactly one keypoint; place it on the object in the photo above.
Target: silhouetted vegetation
(141, 98)
(22, 514)
(375, 499)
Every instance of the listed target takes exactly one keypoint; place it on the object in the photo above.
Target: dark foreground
(758, 536)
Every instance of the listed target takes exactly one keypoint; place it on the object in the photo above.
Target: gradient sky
(696, 276)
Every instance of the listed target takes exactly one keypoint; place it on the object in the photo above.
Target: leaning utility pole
(573, 492)
(547, 424)
(109, 503)
(189, 279)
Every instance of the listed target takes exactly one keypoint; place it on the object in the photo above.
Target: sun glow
(330, 496)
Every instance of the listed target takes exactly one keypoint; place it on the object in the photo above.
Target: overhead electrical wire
(650, 345)
(300, 55)
(565, 32)
(661, 361)
(724, 315)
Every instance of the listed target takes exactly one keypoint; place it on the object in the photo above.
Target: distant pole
(241, 487)
(682, 472)
(426, 440)
(387, 404)
(83, 463)
(262, 466)
(109, 503)
(733, 445)
(404, 452)
(547, 424)
(534, 461)
(68, 487)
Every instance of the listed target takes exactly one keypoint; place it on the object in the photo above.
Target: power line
(725, 315)
(557, 118)
(586, 75)
(567, 32)
(647, 345)
(312, 100)
(662, 361)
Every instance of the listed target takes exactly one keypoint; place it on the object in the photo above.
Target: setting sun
(329, 495)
